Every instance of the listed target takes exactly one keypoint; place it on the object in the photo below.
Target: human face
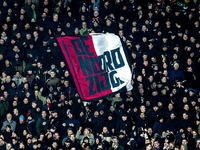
(9, 117)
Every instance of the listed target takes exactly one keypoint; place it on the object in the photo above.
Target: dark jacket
(158, 127)
(171, 125)
(42, 126)
(176, 74)
(123, 125)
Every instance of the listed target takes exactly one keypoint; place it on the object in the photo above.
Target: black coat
(123, 125)
(98, 124)
(20, 128)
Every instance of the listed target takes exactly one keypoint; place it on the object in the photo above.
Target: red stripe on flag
(83, 47)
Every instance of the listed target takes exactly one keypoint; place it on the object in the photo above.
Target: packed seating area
(40, 107)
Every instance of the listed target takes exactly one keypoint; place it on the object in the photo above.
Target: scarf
(69, 90)
(95, 19)
(48, 107)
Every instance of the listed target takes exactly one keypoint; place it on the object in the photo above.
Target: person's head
(155, 108)
(170, 107)
(76, 31)
(172, 115)
(54, 144)
(148, 147)
(87, 131)
(185, 116)
(108, 22)
(70, 115)
(110, 117)
(176, 66)
(183, 147)
(55, 17)
(53, 74)
(25, 100)
(142, 115)
(14, 141)
(186, 107)
(105, 129)
(115, 145)
(21, 119)
(96, 13)
(8, 128)
(9, 117)
(96, 113)
(44, 114)
(72, 137)
(156, 144)
(86, 140)
(155, 93)
(67, 143)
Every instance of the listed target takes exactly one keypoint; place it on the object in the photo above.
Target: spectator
(86, 133)
(10, 122)
(161, 39)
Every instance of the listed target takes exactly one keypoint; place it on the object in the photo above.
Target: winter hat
(8, 144)
(48, 97)
(21, 117)
(116, 143)
(70, 112)
(96, 12)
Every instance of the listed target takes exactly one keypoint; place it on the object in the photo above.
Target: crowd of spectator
(39, 104)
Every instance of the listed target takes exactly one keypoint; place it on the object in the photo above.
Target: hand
(52, 121)
(133, 127)
(80, 128)
(41, 89)
(131, 36)
(44, 123)
(113, 130)
(37, 77)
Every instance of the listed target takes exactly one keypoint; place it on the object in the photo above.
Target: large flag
(97, 63)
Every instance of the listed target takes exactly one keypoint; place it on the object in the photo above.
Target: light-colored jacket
(81, 137)
(12, 124)
(18, 80)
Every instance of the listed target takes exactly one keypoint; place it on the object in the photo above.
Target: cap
(96, 12)
(176, 64)
(67, 141)
(53, 65)
(54, 111)
(70, 112)
(46, 38)
(16, 96)
(48, 97)
(53, 127)
(21, 117)
(8, 144)
(116, 143)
